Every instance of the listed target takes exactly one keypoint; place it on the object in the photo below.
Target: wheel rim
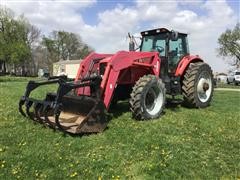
(204, 86)
(153, 100)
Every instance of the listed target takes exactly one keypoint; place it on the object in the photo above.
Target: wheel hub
(150, 97)
(205, 86)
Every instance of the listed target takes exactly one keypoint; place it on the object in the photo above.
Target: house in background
(67, 67)
(221, 77)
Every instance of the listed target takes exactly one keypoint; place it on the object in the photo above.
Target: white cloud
(50, 15)
(109, 35)
(203, 20)
(152, 10)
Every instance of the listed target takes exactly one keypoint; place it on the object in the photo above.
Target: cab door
(177, 49)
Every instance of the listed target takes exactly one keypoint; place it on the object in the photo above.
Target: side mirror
(174, 35)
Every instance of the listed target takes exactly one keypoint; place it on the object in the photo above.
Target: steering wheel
(159, 49)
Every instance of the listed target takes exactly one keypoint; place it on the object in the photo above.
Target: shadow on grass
(118, 109)
(173, 104)
(123, 107)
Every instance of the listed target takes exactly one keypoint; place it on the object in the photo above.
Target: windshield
(154, 43)
(237, 73)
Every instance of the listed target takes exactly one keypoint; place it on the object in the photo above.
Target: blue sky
(90, 13)
(104, 24)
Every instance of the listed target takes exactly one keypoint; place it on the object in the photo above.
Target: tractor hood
(124, 59)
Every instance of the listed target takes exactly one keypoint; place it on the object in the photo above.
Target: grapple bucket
(77, 115)
(69, 113)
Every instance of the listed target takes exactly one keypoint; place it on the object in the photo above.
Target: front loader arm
(85, 65)
(126, 60)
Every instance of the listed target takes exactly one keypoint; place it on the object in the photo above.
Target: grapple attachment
(77, 115)
(69, 113)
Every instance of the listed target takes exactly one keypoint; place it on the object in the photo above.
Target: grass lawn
(183, 143)
(223, 85)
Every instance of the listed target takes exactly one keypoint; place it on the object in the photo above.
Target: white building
(221, 78)
(67, 67)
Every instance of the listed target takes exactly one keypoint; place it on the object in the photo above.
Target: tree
(229, 45)
(62, 45)
(33, 34)
(6, 17)
(21, 48)
(13, 39)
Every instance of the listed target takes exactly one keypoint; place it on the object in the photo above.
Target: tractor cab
(171, 45)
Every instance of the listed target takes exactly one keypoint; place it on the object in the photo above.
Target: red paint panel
(110, 87)
(85, 63)
(124, 59)
(186, 60)
(84, 69)
(122, 68)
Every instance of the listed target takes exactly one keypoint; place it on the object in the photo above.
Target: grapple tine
(20, 106)
(46, 111)
(37, 112)
(29, 104)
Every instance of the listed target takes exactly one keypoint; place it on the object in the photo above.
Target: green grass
(14, 79)
(223, 85)
(183, 143)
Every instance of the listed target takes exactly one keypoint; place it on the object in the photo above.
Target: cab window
(177, 49)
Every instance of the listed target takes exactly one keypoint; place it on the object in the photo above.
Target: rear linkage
(48, 111)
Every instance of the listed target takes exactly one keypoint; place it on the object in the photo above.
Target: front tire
(197, 85)
(148, 98)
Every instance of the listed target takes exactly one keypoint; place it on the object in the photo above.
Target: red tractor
(162, 66)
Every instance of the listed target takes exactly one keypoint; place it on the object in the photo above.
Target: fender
(184, 63)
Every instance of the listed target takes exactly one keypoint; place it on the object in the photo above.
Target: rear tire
(147, 98)
(197, 85)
